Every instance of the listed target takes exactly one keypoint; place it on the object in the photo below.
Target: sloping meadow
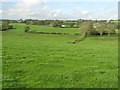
(48, 61)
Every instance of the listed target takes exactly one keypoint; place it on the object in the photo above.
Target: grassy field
(0, 60)
(48, 61)
(56, 30)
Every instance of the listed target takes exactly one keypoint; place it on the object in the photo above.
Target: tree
(110, 29)
(86, 28)
(101, 28)
(5, 25)
(57, 23)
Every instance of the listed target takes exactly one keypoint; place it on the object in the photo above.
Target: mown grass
(48, 61)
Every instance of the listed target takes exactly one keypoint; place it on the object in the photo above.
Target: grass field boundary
(48, 33)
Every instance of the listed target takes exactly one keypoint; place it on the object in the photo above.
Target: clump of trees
(57, 23)
(37, 22)
(54, 23)
(86, 28)
(5, 25)
(97, 28)
(110, 29)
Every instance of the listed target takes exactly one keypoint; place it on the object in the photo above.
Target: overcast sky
(59, 9)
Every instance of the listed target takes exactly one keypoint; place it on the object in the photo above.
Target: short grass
(0, 60)
(55, 30)
(48, 61)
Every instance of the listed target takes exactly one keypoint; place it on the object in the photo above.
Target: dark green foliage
(57, 23)
(10, 26)
(37, 22)
(27, 28)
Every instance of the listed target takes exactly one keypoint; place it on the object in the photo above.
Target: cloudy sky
(59, 9)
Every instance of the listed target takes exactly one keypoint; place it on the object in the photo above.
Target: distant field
(115, 21)
(48, 61)
(56, 30)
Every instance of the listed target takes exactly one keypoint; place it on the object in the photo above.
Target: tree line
(87, 27)
(98, 28)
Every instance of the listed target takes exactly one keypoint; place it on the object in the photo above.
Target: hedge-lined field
(49, 61)
(52, 29)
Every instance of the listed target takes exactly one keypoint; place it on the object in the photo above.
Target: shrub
(0, 27)
(27, 28)
(10, 27)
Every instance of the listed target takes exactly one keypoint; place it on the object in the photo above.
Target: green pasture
(49, 61)
(55, 30)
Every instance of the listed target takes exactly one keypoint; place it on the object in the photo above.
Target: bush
(10, 27)
(0, 27)
(27, 28)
